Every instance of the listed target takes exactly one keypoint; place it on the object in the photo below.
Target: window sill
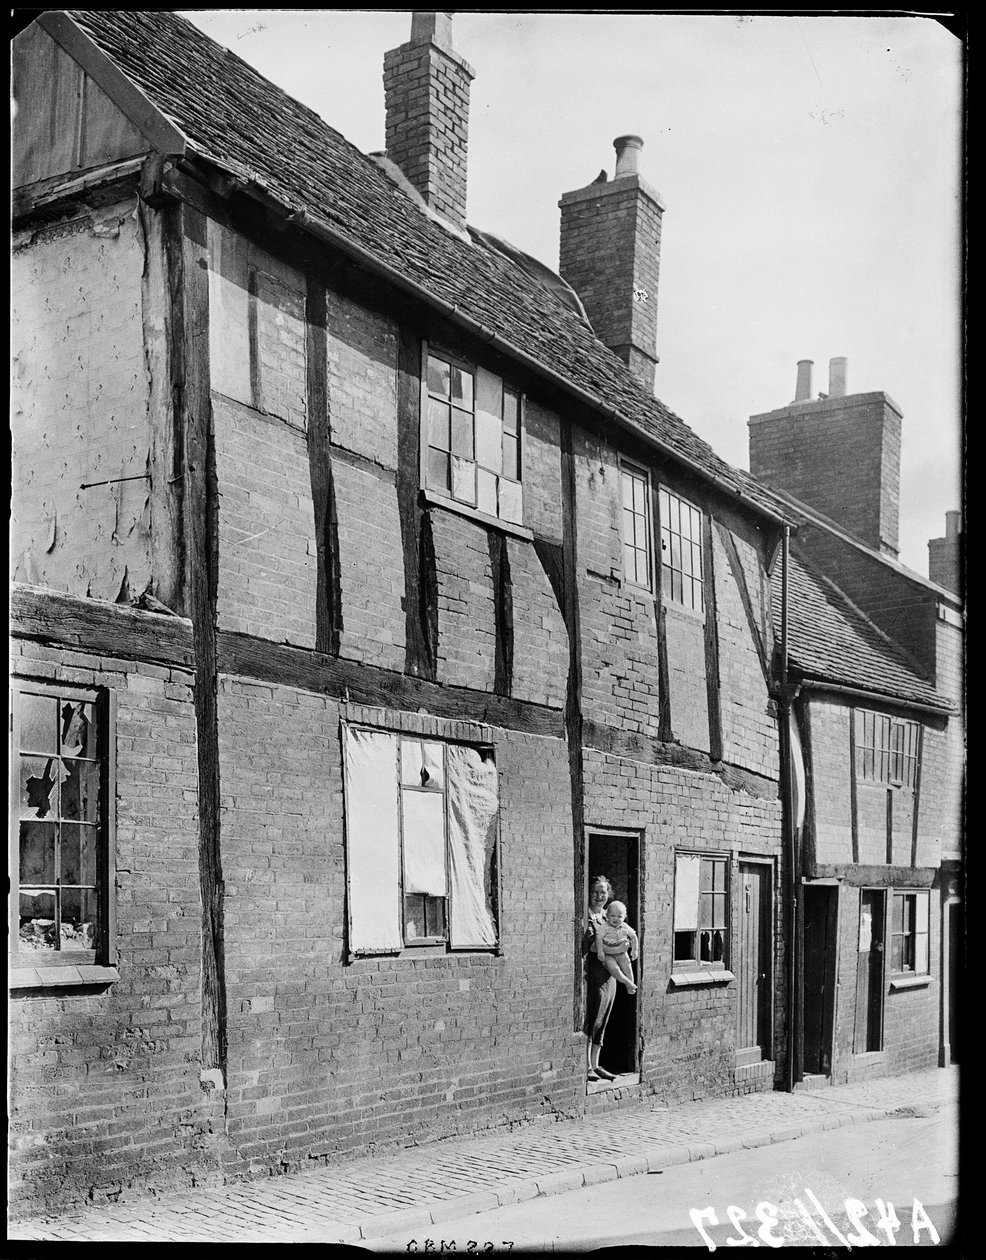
(909, 982)
(86, 974)
(692, 614)
(686, 979)
(463, 509)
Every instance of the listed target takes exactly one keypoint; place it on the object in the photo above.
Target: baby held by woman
(616, 944)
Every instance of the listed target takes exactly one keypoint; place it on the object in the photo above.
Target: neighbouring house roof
(831, 641)
(237, 120)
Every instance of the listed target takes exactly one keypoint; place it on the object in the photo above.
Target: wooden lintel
(859, 876)
(100, 629)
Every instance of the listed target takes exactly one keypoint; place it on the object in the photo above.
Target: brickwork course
(378, 1197)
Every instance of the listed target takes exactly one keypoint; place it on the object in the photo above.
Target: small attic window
(471, 437)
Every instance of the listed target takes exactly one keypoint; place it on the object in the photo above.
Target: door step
(813, 1081)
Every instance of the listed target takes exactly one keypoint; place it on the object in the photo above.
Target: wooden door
(753, 963)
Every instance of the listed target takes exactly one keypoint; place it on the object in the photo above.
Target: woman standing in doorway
(600, 985)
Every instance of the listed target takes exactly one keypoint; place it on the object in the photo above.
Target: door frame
(768, 931)
(634, 836)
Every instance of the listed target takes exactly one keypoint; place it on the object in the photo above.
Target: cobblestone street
(450, 1180)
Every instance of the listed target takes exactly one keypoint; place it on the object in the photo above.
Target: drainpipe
(787, 827)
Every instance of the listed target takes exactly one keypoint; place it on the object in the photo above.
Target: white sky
(811, 168)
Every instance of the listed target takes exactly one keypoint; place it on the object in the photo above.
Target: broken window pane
(38, 852)
(438, 469)
(38, 723)
(78, 732)
(79, 918)
(78, 854)
(439, 424)
(462, 434)
(39, 778)
(37, 921)
(80, 791)
(486, 491)
(464, 480)
(439, 377)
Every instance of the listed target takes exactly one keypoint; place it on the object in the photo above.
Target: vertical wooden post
(188, 254)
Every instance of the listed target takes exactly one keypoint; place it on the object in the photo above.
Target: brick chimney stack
(611, 254)
(945, 555)
(839, 453)
(426, 89)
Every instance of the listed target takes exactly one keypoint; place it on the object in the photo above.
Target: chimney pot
(952, 524)
(627, 154)
(838, 370)
(802, 392)
(431, 28)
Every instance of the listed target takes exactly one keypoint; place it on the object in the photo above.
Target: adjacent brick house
(876, 659)
(366, 603)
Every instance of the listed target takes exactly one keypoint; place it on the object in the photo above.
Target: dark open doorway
(617, 856)
(820, 902)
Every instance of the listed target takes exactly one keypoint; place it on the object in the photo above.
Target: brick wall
(542, 471)
(687, 674)
(371, 566)
(267, 565)
(689, 1034)
(829, 752)
(841, 456)
(749, 730)
(540, 643)
(328, 1058)
(362, 379)
(77, 329)
(104, 1083)
(466, 617)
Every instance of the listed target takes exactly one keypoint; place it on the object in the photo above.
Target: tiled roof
(238, 120)
(830, 640)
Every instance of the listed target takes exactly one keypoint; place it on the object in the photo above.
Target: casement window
(422, 825)
(909, 934)
(472, 437)
(701, 909)
(636, 526)
(887, 749)
(61, 825)
(681, 551)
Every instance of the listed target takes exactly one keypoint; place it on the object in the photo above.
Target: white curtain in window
(424, 843)
(473, 805)
(687, 871)
(372, 841)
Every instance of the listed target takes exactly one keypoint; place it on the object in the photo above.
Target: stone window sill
(909, 982)
(86, 974)
(685, 979)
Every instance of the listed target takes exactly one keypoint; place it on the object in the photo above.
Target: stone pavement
(447, 1180)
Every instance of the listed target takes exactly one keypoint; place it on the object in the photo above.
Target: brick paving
(375, 1197)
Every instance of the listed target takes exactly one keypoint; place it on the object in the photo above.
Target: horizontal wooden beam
(98, 628)
(655, 752)
(860, 876)
(244, 656)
